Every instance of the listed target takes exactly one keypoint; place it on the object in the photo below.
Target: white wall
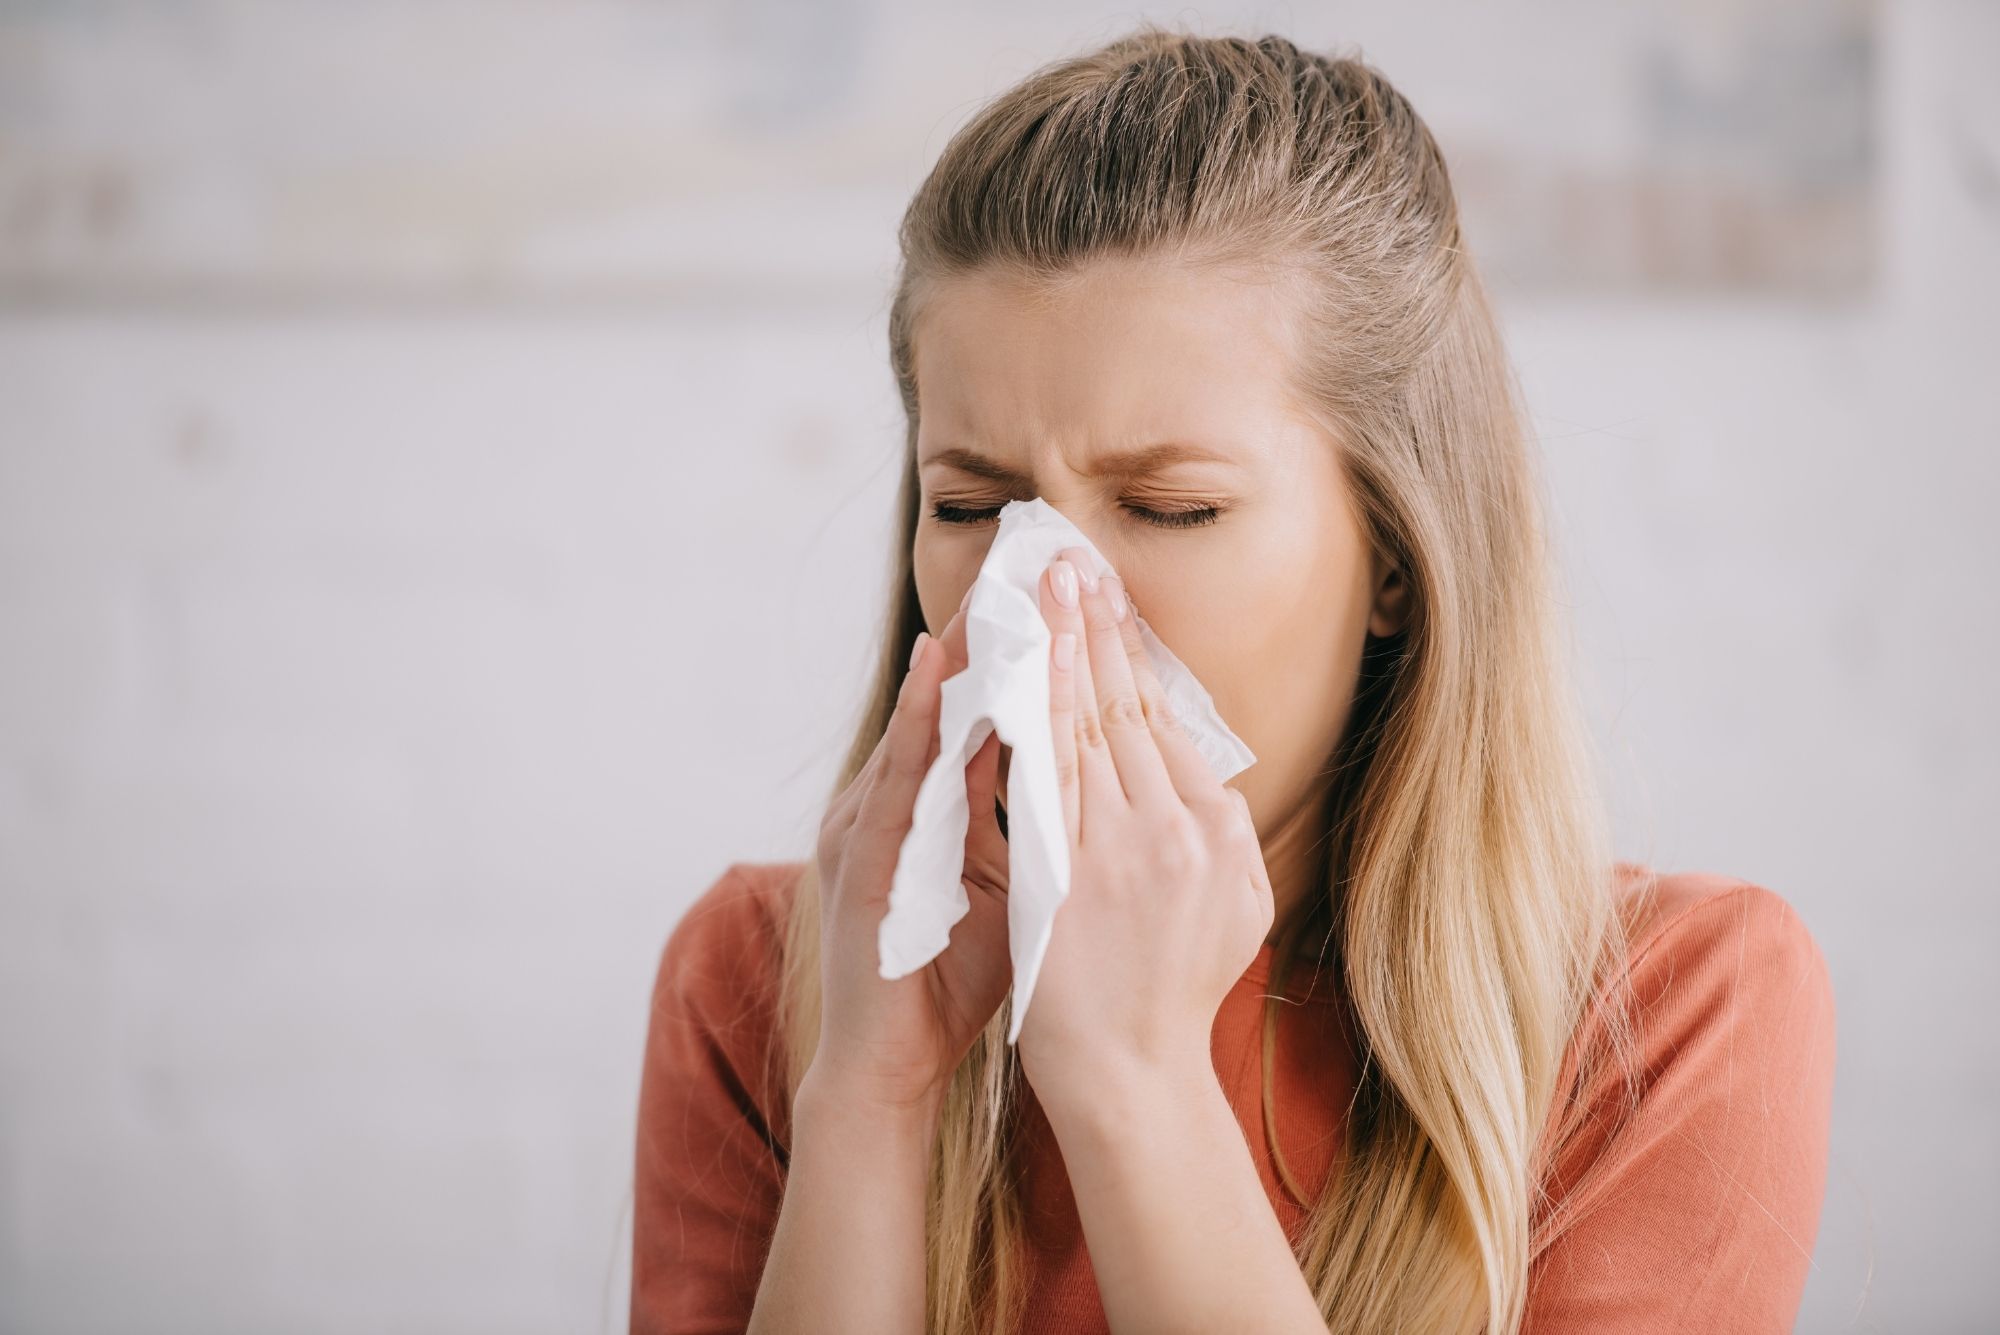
(444, 473)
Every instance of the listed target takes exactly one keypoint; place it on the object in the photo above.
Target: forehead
(1122, 352)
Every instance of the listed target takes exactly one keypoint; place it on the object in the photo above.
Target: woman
(1379, 1037)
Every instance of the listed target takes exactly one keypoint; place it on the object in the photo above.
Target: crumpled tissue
(1004, 688)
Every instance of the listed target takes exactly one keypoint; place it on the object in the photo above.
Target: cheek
(943, 570)
(934, 567)
(1232, 635)
(1280, 678)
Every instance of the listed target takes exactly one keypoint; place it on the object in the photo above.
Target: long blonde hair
(1467, 856)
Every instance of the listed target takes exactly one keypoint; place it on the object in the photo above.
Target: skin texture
(1268, 605)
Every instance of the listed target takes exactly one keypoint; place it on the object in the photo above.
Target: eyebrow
(1127, 463)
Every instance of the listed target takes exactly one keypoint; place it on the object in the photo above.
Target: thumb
(985, 846)
(982, 777)
(1260, 875)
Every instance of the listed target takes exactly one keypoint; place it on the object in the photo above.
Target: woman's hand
(896, 1042)
(1169, 900)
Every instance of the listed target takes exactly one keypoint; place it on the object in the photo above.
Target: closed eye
(1189, 517)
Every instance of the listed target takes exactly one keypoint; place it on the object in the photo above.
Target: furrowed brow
(979, 466)
(1125, 464)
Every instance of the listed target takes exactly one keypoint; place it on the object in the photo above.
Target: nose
(1086, 517)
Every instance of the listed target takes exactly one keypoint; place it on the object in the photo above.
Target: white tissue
(1005, 688)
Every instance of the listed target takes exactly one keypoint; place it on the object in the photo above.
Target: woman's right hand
(896, 1042)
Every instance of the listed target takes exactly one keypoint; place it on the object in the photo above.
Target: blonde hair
(1466, 849)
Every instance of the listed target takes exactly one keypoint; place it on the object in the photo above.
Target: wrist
(1104, 1099)
(862, 1113)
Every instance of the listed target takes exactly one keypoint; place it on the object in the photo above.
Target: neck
(1294, 858)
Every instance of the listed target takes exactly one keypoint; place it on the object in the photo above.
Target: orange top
(1698, 1212)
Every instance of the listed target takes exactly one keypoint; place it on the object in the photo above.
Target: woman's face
(1268, 603)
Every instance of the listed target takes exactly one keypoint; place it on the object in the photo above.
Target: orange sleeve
(710, 1158)
(1698, 1210)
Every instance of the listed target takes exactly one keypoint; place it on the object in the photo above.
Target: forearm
(848, 1250)
(1182, 1236)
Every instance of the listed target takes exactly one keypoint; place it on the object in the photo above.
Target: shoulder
(1712, 961)
(715, 994)
(1692, 1140)
(714, 1112)
(1727, 997)
(726, 948)
(1672, 911)
(1708, 955)
(740, 914)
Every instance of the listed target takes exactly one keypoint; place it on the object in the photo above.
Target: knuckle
(900, 761)
(1124, 711)
(878, 816)
(903, 768)
(1213, 812)
(1089, 728)
(864, 778)
(834, 832)
(1181, 846)
(830, 867)
(839, 814)
(871, 826)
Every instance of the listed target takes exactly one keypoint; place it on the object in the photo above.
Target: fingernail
(1065, 650)
(1063, 580)
(917, 649)
(1088, 572)
(1117, 596)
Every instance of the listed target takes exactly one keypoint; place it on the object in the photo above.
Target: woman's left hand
(1169, 901)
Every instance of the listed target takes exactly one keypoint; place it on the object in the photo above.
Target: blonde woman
(1379, 1036)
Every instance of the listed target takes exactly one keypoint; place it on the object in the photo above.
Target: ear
(1391, 607)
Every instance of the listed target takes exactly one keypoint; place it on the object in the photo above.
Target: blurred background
(446, 455)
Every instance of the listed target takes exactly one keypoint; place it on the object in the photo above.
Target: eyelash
(1193, 517)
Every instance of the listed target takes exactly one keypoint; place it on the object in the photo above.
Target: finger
(952, 638)
(1096, 774)
(1141, 770)
(982, 779)
(982, 768)
(906, 743)
(1062, 727)
(1260, 874)
(953, 629)
(1097, 771)
(951, 643)
(985, 847)
(1192, 776)
(1093, 778)
(846, 807)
